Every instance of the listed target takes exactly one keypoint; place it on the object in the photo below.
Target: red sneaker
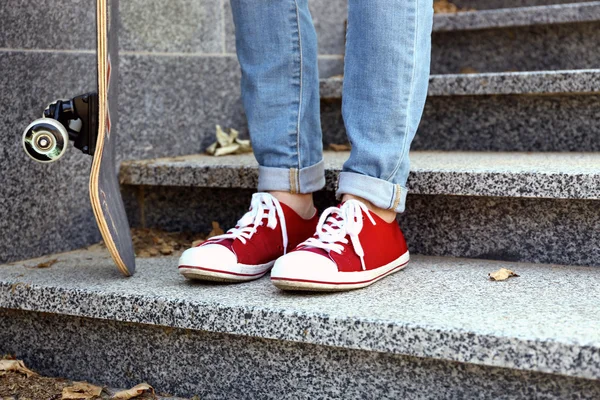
(249, 250)
(352, 248)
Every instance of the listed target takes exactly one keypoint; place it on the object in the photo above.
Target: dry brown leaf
(468, 70)
(44, 264)
(216, 230)
(198, 242)
(143, 254)
(15, 366)
(228, 143)
(134, 392)
(502, 274)
(446, 7)
(340, 147)
(81, 390)
(166, 250)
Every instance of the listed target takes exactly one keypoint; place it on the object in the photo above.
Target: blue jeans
(386, 71)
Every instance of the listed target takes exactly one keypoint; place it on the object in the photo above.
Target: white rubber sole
(235, 273)
(341, 281)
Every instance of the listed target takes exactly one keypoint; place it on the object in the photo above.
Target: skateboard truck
(45, 139)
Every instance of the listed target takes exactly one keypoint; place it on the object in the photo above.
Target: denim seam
(293, 181)
(398, 191)
(301, 84)
(410, 94)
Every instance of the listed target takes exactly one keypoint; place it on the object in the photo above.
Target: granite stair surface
(538, 207)
(495, 4)
(439, 329)
(505, 173)
(549, 111)
(539, 37)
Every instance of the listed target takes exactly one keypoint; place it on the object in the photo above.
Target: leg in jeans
(386, 73)
(277, 49)
(385, 85)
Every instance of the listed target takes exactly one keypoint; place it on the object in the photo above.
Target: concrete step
(541, 207)
(549, 111)
(493, 4)
(439, 329)
(518, 16)
(545, 37)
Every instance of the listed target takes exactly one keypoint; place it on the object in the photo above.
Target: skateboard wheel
(45, 140)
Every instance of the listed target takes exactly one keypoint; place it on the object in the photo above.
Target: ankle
(386, 215)
(302, 204)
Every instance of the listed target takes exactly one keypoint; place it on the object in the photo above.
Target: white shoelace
(262, 205)
(335, 223)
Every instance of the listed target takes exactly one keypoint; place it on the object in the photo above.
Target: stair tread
(583, 81)
(546, 320)
(518, 16)
(503, 174)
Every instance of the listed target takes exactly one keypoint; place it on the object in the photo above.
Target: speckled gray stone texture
(499, 83)
(171, 104)
(48, 24)
(194, 209)
(510, 123)
(523, 16)
(480, 123)
(446, 309)
(174, 26)
(491, 4)
(532, 48)
(538, 82)
(540, 175)
(43, 208)
(331, 66)
(217, 366)
(510, 229)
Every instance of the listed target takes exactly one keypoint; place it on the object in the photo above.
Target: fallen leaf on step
(446, 7)
(216, 230)
(228, 143)
(198, 242)
(15, 366)
(45, 264)
(81, 390)
(340, 147)
(143, 254)
(502, 274)
(166, 250)
(468, 70)
(134, 392)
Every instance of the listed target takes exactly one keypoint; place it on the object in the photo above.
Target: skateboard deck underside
(105, 194)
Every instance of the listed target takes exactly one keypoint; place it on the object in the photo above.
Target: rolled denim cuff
(381, 193)
(293, 180)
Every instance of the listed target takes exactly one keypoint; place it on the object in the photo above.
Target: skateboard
(89, 120)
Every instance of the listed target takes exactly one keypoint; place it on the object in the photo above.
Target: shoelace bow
(338, 222)
(262, 206)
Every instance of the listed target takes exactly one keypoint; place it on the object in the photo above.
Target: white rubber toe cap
(208, 256)
(304, 265)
